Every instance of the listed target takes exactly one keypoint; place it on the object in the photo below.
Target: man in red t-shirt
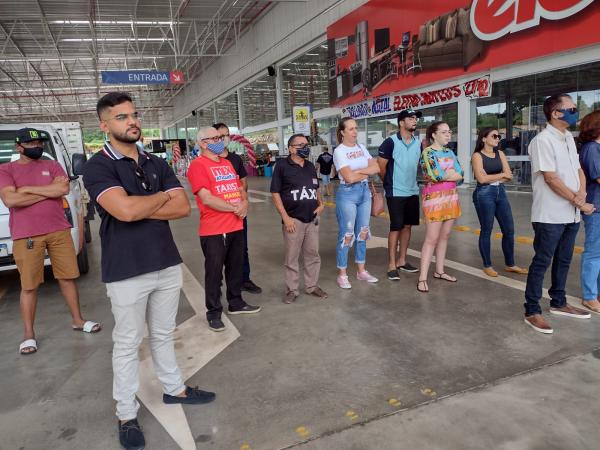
(223, 204)
(32, 188)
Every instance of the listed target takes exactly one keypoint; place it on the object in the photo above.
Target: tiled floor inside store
(376, 367)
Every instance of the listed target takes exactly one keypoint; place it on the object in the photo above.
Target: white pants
(154, 295)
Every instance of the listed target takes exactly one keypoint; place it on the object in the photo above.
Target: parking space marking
(191, 357)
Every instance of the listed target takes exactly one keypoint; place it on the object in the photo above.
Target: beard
(412, 129)
(126, 137)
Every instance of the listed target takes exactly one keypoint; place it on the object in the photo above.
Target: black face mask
(33, 152)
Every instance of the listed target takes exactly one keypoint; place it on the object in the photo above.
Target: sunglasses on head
(139, 172)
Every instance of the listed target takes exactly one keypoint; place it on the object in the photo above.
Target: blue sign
(141, 77)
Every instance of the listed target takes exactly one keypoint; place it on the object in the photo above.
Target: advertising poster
(390, 46)
(302, 118)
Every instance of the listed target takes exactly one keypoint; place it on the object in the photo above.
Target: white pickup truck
(75, 203)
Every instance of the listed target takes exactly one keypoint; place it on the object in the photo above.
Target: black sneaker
(248, 309)
(131, 436)
(249, 286)
(393, 275)
(194, 396)
(408, 268)
(216, 325)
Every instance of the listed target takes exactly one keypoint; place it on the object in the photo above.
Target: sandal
(89, 327)
(444, 276)
(30, 344)
(422, 290)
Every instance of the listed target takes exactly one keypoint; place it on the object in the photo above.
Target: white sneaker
(343, 282)
(366, 276)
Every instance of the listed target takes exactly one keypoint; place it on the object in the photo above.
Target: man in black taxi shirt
(136, 194)
(295, 191)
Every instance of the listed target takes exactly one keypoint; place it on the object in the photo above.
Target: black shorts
(403, 211)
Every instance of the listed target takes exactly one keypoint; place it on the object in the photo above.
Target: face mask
(216, 147)
(570, 117)
(303, 152)
(33, 152)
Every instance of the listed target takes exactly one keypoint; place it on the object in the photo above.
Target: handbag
(377, 205)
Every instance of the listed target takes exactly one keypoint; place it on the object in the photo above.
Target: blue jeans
(491, 201)
(553, 244)
(353, 211)
(590, 260)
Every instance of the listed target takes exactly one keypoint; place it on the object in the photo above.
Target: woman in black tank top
(491, 170)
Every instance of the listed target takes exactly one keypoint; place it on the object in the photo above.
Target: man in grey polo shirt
(558, 197)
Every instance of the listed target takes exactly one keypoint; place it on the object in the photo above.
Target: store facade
(472, 63)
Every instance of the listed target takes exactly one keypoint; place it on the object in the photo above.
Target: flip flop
(28, 343)
(424, 291)
(444, 276)
(89, 327)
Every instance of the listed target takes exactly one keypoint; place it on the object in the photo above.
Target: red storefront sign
(477, 88)
(396, 45)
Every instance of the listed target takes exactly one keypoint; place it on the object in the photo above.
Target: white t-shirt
(355, 158)
(553, 151)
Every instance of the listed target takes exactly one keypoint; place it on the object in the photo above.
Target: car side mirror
(78, 160)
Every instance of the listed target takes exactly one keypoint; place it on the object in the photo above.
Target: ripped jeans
(353, 211)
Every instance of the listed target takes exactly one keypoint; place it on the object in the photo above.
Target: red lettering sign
(492, 19)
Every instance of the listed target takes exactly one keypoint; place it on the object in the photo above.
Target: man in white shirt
(558, 197)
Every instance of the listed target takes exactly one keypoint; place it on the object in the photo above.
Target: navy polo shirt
(130, 249)
(297, 185)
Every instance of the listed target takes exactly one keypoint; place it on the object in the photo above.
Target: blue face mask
(303, 152)
(571, 116)
(216, 147)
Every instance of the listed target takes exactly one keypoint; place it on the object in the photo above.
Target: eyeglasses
(139, 172)
(496, 136)
(123, 117)
(213, 139)
(567, 110)
(224, 135)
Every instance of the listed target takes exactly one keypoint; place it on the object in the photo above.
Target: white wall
(287, 27)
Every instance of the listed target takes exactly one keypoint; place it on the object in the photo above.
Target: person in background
(136, 195)
(223, 204)
(236, 161)
(32, 189)
(441, 206)
(295, 191)
(325, 165)
(589, 157)
(491, 170)
(559, 195)
(398, 162)
(354, 164)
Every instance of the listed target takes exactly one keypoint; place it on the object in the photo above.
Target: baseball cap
(407, 113)
(30, 134)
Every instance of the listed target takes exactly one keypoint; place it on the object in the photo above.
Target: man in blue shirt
(398, 161)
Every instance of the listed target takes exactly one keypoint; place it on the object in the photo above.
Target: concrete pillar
(280, 109)
(466, 120)
(241, 118)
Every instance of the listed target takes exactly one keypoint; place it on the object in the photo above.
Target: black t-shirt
(237, 163)
(297, 185)
(325, 161)
(130, 249)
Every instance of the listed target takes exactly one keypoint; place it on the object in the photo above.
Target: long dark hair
(431, 129)
(483, 133)
(341, 127)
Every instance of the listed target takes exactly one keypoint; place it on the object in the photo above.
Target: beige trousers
(305, 242)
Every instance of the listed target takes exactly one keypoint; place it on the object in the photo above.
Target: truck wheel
(87, 232)
(82, 261)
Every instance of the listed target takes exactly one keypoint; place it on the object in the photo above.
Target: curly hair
(589, 128)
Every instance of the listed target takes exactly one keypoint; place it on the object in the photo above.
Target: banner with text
(142, 77)
(387, 104)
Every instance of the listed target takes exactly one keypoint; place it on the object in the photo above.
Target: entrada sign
(477, 88)
(492, 19)
(142, 77)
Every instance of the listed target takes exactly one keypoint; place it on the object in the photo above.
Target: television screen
(382, 39)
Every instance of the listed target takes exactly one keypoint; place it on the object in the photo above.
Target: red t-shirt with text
(220, 178)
